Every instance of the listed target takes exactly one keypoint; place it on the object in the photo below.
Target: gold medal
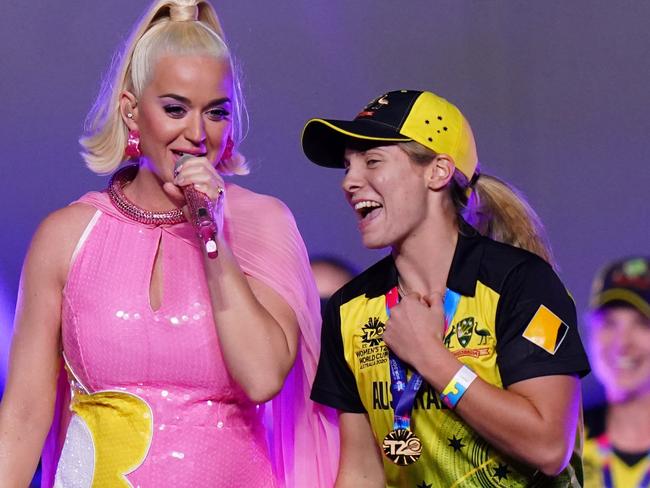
(402, 447)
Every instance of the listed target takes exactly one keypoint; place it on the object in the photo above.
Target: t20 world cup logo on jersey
(373, 351)
(372, 332)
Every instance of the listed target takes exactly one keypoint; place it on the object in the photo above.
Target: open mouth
(367, 209)
(626, 363)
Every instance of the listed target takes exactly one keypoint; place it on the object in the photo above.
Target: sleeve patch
(546, 330)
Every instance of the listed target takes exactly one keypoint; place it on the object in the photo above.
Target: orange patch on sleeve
(546, 330)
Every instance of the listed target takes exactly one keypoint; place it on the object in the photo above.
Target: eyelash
(177, 112)
(369, 162)
(219, 113)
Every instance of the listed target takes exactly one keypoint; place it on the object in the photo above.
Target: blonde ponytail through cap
(168, 27)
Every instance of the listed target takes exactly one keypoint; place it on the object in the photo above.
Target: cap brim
(621, 295)
(324, 140)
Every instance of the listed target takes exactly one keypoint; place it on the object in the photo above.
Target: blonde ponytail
(182, 27)
(500, 212)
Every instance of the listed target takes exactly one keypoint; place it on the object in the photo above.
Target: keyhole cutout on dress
(156, 282)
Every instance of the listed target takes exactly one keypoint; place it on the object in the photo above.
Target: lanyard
(605, 449)
(404, 392)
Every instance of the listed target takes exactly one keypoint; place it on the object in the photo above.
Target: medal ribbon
(605, 449)
(404, 392)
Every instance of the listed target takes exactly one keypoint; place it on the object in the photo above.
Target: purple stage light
(6, 320)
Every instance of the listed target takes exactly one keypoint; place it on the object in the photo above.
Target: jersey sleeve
(536, 326)
(334, 384)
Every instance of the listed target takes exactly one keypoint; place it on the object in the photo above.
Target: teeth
(625, 363)
(366, 204)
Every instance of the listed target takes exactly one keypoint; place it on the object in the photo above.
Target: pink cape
(303, 435)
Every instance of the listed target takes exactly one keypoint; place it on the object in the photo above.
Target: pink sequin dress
(152, 402)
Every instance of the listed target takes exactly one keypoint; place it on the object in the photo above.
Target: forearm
(360, 464)
(27, 406)
(348, 479)
(21, 440)
(509, 420)
(255, 347)
(30, 391)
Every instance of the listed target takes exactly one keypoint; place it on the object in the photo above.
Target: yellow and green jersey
(627, 469)
(514, 321)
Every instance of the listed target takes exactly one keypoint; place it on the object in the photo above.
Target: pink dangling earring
(132, 150)
(227, 152)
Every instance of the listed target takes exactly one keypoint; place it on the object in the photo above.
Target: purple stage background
(556, 91)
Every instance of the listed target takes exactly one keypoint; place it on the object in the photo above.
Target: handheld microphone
(200, 208)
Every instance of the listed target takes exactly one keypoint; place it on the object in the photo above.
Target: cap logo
(377, 103)
(634, 273)
(370, 109)
(636, 267)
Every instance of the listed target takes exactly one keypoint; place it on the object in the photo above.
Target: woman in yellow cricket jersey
(455, 361)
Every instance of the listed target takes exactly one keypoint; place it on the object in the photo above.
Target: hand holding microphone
(201, 209)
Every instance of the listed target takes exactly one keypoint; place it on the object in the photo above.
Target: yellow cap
(396, 116)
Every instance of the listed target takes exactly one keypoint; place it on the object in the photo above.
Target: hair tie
(183, 13)
(476, 175)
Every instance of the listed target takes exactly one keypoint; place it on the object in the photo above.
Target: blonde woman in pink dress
(139, 359)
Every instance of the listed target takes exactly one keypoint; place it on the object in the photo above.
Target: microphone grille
(182, 160)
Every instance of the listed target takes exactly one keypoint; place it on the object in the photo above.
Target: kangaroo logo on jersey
(464, 330)
(471, 339)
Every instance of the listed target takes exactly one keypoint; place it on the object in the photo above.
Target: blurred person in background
(617, 449)
(330, 274)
